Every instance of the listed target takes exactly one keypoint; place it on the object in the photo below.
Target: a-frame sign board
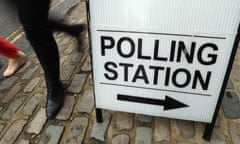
(167, 58)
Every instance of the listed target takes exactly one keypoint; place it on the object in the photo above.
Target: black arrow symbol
(168, 104)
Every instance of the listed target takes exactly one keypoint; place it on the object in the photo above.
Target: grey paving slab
(38, 122)
(7, 83)
(231, 105)
(77, 131)
(13, 92)
(235, 132)
(67, 108)
(143, 135)
(52, 135)
(13, 107)
(162, 131)
(13, 132)
(32, 104)
(186, 128)
(28, 75)
(77, 83)
(121, 139)
(124, 121)
(99, 130)
(87, 103)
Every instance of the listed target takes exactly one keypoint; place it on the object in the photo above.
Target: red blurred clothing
(7, 49)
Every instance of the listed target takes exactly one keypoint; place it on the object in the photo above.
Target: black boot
(55, 99)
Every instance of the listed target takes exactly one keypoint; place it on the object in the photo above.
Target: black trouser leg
(34, 17)
(72, 29)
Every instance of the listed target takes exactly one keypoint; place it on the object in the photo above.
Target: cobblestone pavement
(22, 105)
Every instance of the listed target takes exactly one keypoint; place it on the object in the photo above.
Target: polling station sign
(163, 58)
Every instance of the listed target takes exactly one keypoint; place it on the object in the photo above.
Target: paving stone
(84, 42)
(61, 9)
(24, 142)
(217, 138)
(67, 72)
(13, 132)
(32, 55)
(230, 84)
(67, 108)
(76, 57)
(99, 130)
(32, 104)
(87, 64)
(13, 92)
(124, 121)
(26, 65)
(235, 132)
(29, 73)
(63, 59)
(162, 130)
(77, 131)
(231, 105)
(93, 141)
(8, 83)
(13, 107)
(143, 135)
(77, 83)
(41, 71)
(52, 135)
(78, 15)
(235, 72)
(43, 83)
(1, 128)
(33, 83)
(145, 118)
(121, 139)
(217, 123)
(87, 102)
(70, 48)
(64, 40)
(1, 94)
(90, 80)
(186, 128)
(61, 48)
(53, 5)
(38, 122)
(238, 88)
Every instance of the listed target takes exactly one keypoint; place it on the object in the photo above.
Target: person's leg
(76, 30)
(72, 29)
(34, 18)
(16, 58)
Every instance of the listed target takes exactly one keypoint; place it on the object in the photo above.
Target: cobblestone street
(23, 97)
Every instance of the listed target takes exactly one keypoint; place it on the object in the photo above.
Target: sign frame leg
(99, 115)
(208, 131)
(209, 127)
(98, 111)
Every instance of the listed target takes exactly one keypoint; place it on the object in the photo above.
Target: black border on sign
(209, 126)
(98, 111)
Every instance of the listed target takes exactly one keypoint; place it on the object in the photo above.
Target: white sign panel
(162, 57)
